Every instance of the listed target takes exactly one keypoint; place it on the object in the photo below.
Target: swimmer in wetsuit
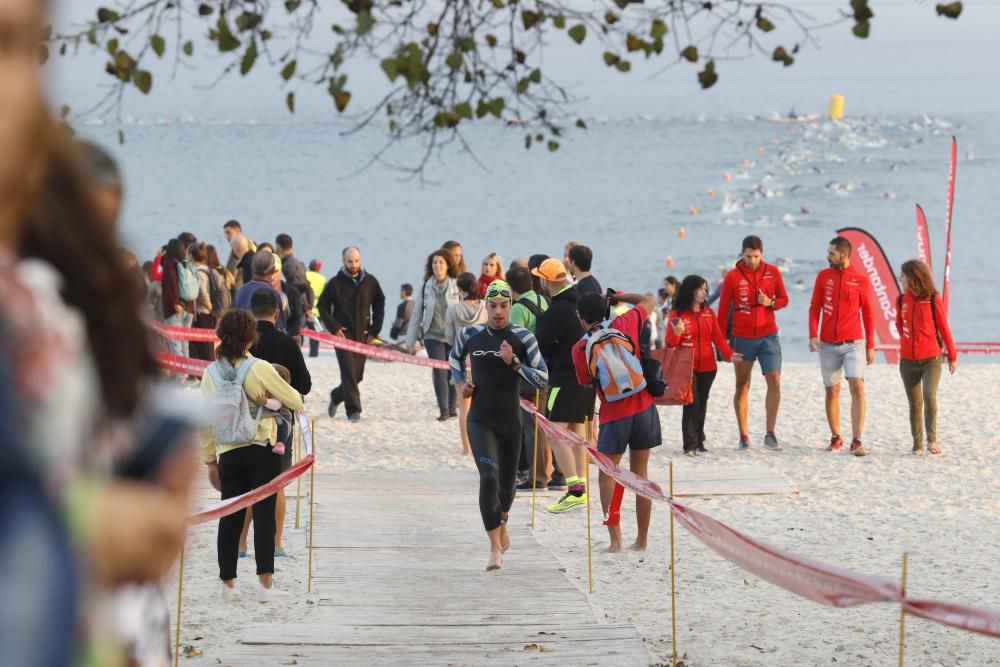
(502, 354)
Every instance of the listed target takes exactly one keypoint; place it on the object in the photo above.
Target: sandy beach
(860, 514)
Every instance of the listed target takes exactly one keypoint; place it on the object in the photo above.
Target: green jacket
(522, 316)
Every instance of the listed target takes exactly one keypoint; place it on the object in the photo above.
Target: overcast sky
(915, 62)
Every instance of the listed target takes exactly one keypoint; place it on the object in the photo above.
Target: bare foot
(504, 538)
(496, 560)
(638, 546)
(615, 548)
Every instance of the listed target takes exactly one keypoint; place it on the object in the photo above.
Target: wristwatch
(515, 363)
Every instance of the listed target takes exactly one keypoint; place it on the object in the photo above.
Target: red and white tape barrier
(232, 505)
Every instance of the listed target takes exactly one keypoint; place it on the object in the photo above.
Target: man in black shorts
(502, 355)
(570, 404)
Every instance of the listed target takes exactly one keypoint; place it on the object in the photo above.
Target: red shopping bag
(678, 371)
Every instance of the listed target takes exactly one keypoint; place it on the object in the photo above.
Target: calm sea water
(626, 188)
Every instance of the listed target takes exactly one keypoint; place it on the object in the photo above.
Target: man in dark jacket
(353, 306)
(276, 347)
(569, 405)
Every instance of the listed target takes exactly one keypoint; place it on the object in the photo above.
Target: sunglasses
(494, 292)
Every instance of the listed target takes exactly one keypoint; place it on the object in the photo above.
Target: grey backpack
(232, 422)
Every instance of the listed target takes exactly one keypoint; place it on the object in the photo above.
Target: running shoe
(836, 444)
(525, 485)
(355, 418)
(744, 445)
(452, 412)
(918, 450)
(226, 593)
(558, 482)
(568, 502)
(281, 553)
(268, 594)
(243, 554)
(690, 452)
(331, 409)
(771, 442)
(702, 449)
(857, 448)
(443, 417)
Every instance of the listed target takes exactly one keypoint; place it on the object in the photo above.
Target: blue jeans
(179, 347)
(444, 390)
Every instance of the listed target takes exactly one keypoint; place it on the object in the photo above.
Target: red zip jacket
(918, 336)
(702, 331)
(739, 295)
(844, 299)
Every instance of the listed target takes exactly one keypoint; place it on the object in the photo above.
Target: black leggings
(495, 452)
(241, 470)
(693, 415)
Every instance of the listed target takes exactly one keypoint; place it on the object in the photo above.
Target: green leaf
(288, 71)
(292, 5)
(535, 76)
(780, 55)
(112, 46)
(290, 102)
(158, 44)
(529, 18)
(43, 54)
(559, 22)
(389, 67)
(623, 65)
(124, 61)
(62, 49)
(578, 33)
(553, 146)
(105, 15)
(432, 29)
(205, 10)
(522, 86)
(92, 37)
(862, 29)
(862, 12)
(491, 41)
(657, 29)
(341, 100)
(248, 21)
(633, 43)
(249, 58)
(610, 58)
(188, 48)
(690, 54)
(365, 23)
(227, 40)
(764, 25)
(121, 137)
(610, 18)
(951, 10)
(143, 80)
(64, 111)
(527, 141)
(467, 44)
(497, 106)
(580, 124)
(464, 110)
(707, 77)
(454, 60)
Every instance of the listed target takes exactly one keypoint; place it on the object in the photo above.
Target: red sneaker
(836, 444)
(857, 449)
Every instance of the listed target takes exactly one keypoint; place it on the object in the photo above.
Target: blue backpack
(187, 279)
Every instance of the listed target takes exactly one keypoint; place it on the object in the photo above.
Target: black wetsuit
(494, 418)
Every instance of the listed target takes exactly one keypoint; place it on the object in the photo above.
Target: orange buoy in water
(727, 176)
(761, 150)
(746, 164)
(670, 262)
(693, 211)
(711, 192)
(776, 142)
(681, 233)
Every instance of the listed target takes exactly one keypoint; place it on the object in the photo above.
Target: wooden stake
(673, 583)
(297, 442)
(534, 462)
(312, 503)
(180, 590)
(902, 613)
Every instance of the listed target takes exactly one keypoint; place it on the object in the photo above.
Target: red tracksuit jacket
(843, 298)
(918, 336)
(702, 331)
(739, 295)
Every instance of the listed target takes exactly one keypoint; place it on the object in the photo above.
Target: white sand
(857, 513)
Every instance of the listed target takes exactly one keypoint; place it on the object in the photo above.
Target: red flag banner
(885, 290)
(232, 505)
(949, 208)
(182, 365)
(809, 578)
(923, 238)
(983, 620)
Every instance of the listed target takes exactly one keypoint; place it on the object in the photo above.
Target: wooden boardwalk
(398, 571)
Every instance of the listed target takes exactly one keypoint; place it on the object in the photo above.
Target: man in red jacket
(842, 299)
(751, 293)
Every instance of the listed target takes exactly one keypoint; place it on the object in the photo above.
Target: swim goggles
(499, 290)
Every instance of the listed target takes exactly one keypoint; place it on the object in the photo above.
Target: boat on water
(809, 118)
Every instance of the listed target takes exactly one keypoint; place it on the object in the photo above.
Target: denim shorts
(835, 361)
(766, 350)
(641, 431)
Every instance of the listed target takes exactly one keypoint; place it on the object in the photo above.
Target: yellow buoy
(837, 107)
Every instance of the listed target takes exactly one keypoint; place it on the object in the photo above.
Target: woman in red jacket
(923, 334)
(492, 270)
(693, 324)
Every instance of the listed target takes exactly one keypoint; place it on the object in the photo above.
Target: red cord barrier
(233, 505)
